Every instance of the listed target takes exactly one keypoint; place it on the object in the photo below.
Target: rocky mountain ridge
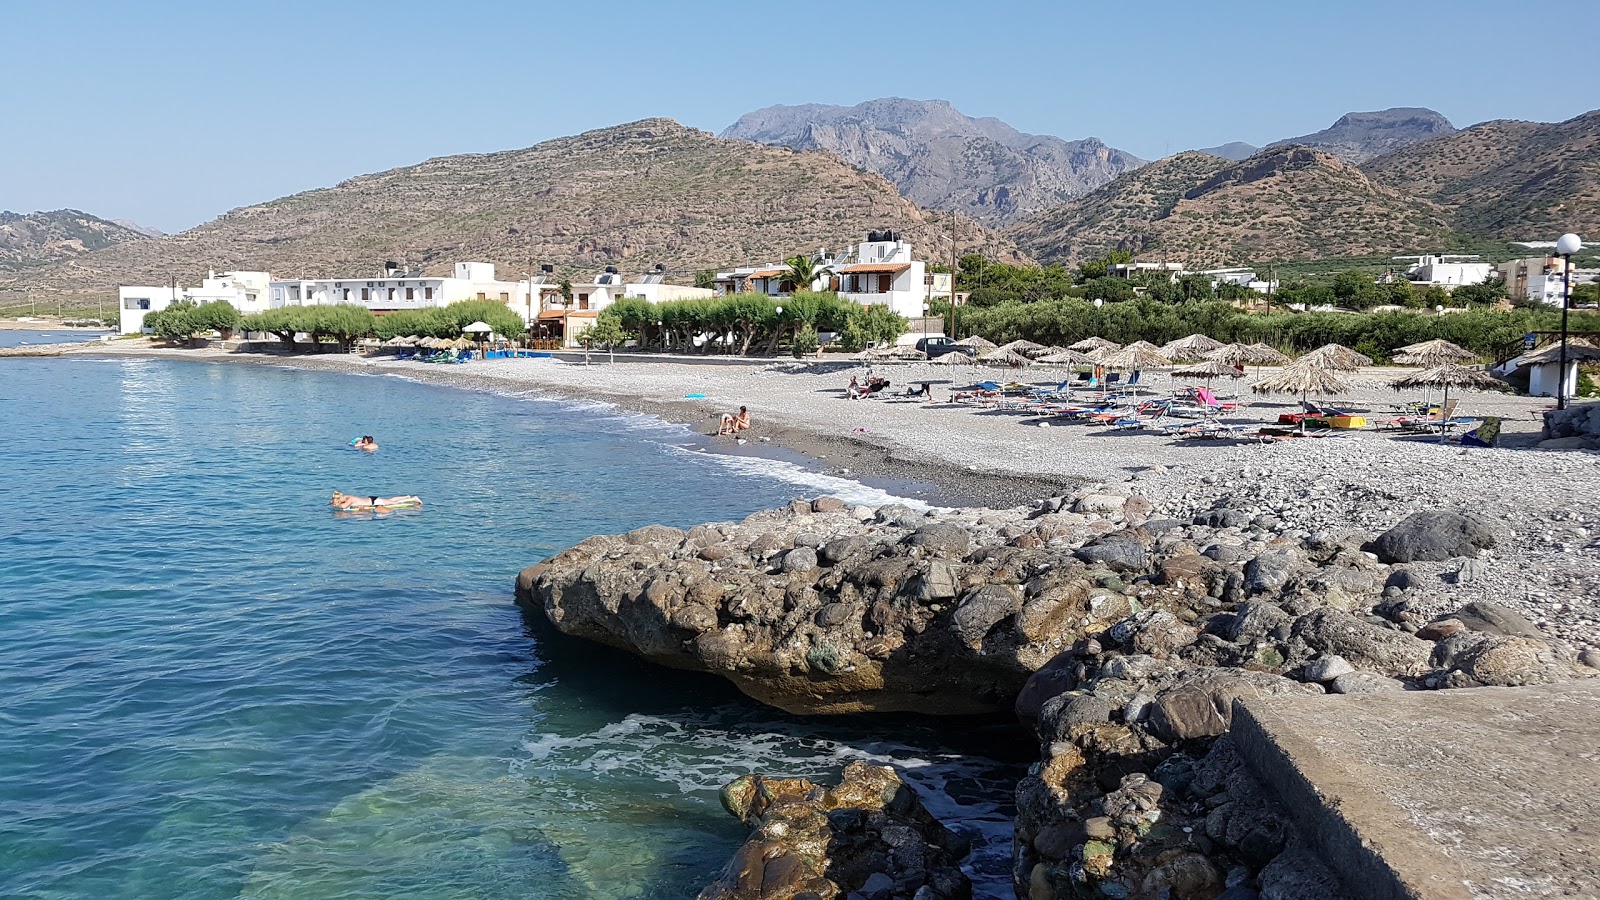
(1281, 203)
(632, 195)
(1512, 180)
(940, 158)
(1359, 136)
(29, 240)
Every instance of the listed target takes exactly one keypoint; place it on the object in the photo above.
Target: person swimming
(365, 442)
(347, 501)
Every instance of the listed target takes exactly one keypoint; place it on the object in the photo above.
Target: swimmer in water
(366, 443)
(347, 501)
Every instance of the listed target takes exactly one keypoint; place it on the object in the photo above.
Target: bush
(805, 343)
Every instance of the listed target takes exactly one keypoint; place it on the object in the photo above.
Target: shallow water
(16, 337)
(212, 686)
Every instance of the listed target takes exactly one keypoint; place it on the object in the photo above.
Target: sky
(172, 113)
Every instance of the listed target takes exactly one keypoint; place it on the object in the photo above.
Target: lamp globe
(1568, 244)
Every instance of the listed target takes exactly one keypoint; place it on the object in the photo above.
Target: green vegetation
(1487, 332)
(184, 319)
(341, 323)
(607, 332)
(804, 272)
(748, 320)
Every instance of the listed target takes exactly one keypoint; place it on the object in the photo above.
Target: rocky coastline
(1119, 622)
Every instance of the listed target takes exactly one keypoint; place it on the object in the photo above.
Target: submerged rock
(869, 836)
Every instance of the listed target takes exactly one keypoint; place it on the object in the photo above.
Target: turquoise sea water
(212, 686)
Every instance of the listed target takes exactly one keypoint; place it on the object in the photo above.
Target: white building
(1535, 278)
(1447, 270)
(555, 317)
(245, 291)
(1240, 276)
(1172, 270)
(395, 290)
(879, 271)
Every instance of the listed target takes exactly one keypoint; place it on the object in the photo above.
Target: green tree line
(753, 322)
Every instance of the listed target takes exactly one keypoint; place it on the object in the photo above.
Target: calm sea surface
(212, 686)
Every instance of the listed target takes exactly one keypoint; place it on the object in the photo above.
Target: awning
(875, 269)
(767, 273)
(552, 313)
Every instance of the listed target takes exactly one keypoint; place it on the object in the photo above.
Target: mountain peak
(1359, 136)
(942, 158)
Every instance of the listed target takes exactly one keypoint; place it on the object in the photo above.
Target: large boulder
(1438, 534)
(868, 834)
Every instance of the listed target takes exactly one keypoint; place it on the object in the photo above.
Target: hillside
(1359, 136)
(34, 239)
(942, 159)
(1282, 203)
(1512, 180)
(1234, 150)
(632, 195)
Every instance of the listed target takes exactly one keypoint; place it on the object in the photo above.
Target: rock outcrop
(1122, 639)
(869, 837)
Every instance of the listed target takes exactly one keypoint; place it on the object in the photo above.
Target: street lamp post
(1566, 245)
(1098, 302)
(926, 308)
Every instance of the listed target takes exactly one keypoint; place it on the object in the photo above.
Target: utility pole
(951, 332)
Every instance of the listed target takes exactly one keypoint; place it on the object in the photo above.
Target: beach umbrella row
(1000, 356)
(1431, 353)
(1304, 379)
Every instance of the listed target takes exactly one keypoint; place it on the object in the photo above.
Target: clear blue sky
(170, 113)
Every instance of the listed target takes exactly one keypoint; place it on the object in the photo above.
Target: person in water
(348, 501)
(365, 442)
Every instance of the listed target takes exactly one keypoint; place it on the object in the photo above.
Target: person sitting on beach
(853, 390)
(348, 501)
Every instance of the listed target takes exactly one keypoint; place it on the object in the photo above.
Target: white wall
(662, 293)
(134, 303)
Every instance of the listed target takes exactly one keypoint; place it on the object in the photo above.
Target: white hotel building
(879, 270)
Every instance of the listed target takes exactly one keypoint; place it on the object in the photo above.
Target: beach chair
(1487, 434)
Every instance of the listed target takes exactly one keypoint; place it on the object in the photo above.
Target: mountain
(1512, 180)
(1234, 150)
(1282, 203)
(632, 195)
(145, 230)
(942, 159)
(1360, 136)
(34, 239)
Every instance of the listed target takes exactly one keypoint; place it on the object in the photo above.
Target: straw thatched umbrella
(1303, 379)
(907, 352)
(1337, 357)
(1195, 346)
(1089, 345)
(1026, 348)
(1263, 355)
(1134, 356)
(1449, 375)
(1209, 369)
(1067, 358)
(977, 343)
(1000, 356)
(954, 359)
(1431, 353)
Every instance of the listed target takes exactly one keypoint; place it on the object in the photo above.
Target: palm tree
(804, 272)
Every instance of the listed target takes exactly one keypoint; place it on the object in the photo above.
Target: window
(505, 297)
(427, 293)
(411, 293)
(482, 296)
(365, 295)
(583, 301)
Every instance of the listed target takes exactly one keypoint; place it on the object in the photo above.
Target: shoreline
(958, 455)
(850, 457)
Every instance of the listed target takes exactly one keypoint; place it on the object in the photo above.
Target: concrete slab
(1440, 795)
